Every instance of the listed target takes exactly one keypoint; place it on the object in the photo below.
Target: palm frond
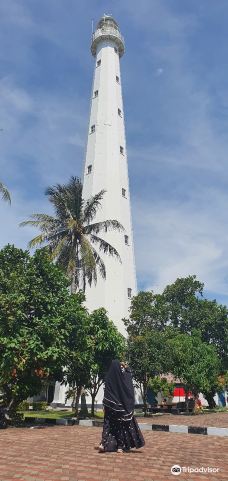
(5, 193)
(91, 207)
(57, 248)
(87, 259)
(37, 241)
(64, 256)
(51, 238)
(105, 247)
(43, 221)
(90, 276)
(70, 234)
(66, 198)
(99, 263)
(103, 226)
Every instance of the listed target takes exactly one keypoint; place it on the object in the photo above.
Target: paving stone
(210, 419)
(67, 453)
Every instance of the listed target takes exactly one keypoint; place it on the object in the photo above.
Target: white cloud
(42, 143)
(39, 129)
(177, 240)
(159, 71)
(177, 146)
(180, 158)
(11, 216)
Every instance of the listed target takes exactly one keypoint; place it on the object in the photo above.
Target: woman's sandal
(119, 450)
(101, 448)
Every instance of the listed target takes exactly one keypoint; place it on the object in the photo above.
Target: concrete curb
(171, 428)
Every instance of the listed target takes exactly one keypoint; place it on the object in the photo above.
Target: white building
(106, 168)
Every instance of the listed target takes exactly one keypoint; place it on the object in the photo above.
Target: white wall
(110, 172)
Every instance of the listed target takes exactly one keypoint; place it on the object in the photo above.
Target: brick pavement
(211, 419)
(67, 454)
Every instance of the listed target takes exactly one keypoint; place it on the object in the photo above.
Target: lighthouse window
(129, 293)
(123, 192)
(121, 149)
(126, 238)
(92, 129)
(115, 49)
(98, 63)
(89, 169)
(117, 79)
(120, 112)
(96, 93)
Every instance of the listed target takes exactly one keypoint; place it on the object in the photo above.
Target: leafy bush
(24, 406)
(37, 406)
(161, 384)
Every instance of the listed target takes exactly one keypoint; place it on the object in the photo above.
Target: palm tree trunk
(75, 274)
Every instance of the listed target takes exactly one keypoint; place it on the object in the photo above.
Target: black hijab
(119, 391)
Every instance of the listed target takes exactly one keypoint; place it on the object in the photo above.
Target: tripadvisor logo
(176, 470)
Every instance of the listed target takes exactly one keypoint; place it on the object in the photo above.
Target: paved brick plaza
(68, 454)
(219, 420)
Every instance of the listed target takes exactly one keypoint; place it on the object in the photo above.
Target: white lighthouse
(106, 168)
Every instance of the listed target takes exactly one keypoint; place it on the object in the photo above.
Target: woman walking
(120, 431)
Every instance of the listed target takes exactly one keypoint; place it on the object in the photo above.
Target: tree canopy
(183, 306)
(107, 344)
(194, 362)
(36, 318)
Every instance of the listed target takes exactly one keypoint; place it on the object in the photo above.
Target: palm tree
(72, 234)
(5, 193)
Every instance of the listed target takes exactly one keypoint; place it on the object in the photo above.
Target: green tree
(194, 362)
(176, 306)
(182, 300)
(189, 310)
(147, 358)
(160, 384)
(5, 193)
(212, 322)
(108, 344)
(183, 306)
(147, 311)
(79, 356)
(72, 234)
(91, 347)
(36, 317)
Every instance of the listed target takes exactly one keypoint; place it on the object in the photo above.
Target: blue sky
(174, 77)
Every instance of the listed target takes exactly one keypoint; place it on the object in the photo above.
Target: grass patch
(55, 414)
(215, 410)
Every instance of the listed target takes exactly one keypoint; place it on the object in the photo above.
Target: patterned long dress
(119, 433)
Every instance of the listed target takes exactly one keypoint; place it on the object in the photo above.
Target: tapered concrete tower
(106, 168)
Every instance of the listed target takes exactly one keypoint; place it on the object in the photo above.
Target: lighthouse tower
(106, 168)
